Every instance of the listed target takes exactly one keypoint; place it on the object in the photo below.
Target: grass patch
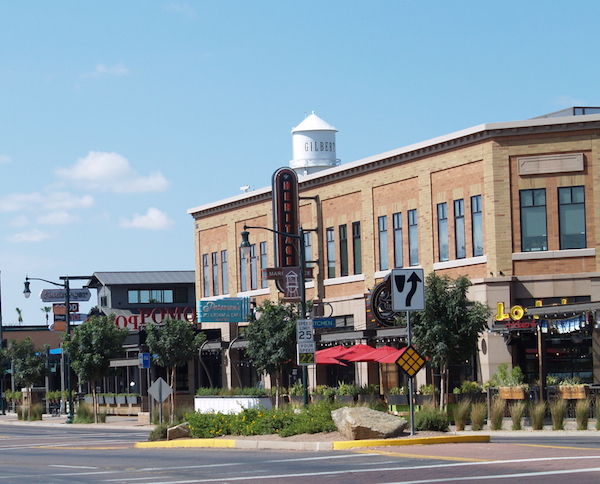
(461, 414)
(537, 412)
(84, 413)
(431, 418)
(497, 413)
(517, 411)
(478, 415)
(582, 413)
(558, 412)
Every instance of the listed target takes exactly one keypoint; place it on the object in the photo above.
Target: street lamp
(245, 247)
(27, 293)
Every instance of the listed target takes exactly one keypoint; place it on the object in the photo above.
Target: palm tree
(46, 309)
(19, 316)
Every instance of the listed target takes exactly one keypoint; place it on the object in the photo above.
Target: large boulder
(358, 423)
(179, 432)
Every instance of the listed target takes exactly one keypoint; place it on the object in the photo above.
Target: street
(64, 454)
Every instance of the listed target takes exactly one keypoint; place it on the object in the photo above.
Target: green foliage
(84, 413)
(347, 389)
(470, 387)
(246, 391)
(371, 389)
(448, 330)
(431, 418)
(537, 411)
(497, 413)
(582, 413)
(159, 432)
(29, 363)
(427, 389)
(297, 389)
(517, 411)
(505, 378)
(92, 345)
(558, 412)
(259, 421)
(173, 342)
(403, 390)
(478, 415)
(272, 336)
(461, 414)
(324, 390)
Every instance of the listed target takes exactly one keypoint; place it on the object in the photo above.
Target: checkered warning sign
(410, 361)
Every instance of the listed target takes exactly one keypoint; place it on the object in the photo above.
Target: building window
(330, 252)
(224, 272)
(459, 229)
(253, 268)
(397, 223)
(215, 272)
(308, 249)
(477, 225)
(150, 296)
(243, 271)
(264, 282)
(383, 243)
(413, 238)
(205, 276)
(356, 248)
(571, 212)
(533, 220)
(343, 250)
(442, 216)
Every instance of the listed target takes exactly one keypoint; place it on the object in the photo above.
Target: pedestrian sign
(410, 361)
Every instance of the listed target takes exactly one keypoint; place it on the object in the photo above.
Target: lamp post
(245, 247)
(27, 293)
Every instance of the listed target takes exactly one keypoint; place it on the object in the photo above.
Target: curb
(309, 446)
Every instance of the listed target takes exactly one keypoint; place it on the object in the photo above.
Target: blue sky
(116, 117)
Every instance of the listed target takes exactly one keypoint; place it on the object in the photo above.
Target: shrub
(497, 413)
(347, 389)
(558, 412)
(470, 387)
(538, 414)
(403, 390)
(84, 413)
(431, 418)
(159, 432)
(461, 414)
(478, 415)
(582, 413)
(505, 378)
(517, 411)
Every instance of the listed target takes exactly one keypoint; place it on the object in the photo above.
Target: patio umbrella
(391, 357)
(327, 360)
(333, 351)
(373, 354)
(354, 352)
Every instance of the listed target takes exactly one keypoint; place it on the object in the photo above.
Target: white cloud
(111, 172)
(47, 201)
(153, 220)
(33, 235)
(5, 159)
(57, 218)
(118, 70)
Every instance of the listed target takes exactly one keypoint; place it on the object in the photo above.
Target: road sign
(159, 390)
(306, 353)
(324, 323)
(143, 360)
(60, 295)
(59, 308)
(410, 361)
(408, 290)
(304, 330)
(73, 317)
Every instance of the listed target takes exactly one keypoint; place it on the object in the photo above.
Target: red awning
(354, 353)
(327, 360)
(391, 357)
(372, 355)
(333, 351)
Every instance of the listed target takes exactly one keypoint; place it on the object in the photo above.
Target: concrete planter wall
(234, 404)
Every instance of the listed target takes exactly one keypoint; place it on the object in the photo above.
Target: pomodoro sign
(514, 318)
(136, 321)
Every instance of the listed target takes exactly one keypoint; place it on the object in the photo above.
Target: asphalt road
(63, 454)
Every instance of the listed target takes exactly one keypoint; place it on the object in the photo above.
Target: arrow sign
(408, 290)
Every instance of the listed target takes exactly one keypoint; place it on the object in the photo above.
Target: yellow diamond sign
(410, 361)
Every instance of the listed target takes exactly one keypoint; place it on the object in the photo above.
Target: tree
(19, 316)
(29, 364)
(448, 330)
(91, 347)
(272, 338)
(173, 343)
(46, 310)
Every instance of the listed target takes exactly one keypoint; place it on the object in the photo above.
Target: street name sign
(408, 290)
(60, 295)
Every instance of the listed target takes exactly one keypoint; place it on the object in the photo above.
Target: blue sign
(226, 310)
(144, 360)
(323, 323)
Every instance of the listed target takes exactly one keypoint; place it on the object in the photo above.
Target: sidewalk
(112, 422)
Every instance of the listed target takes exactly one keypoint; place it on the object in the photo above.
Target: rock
(181, 431)
(358, 423)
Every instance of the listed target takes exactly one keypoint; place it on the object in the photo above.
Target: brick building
(510, 205)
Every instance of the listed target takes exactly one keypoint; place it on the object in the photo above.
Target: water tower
(313, 146)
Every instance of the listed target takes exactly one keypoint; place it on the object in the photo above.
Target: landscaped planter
(121, 399)
(227, 404)
(397, 399)
(512, 393)
(573, 392)
(133, 399)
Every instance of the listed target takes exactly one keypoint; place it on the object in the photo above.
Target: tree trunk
(95, 405)
(443, 384)
(173, 385)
